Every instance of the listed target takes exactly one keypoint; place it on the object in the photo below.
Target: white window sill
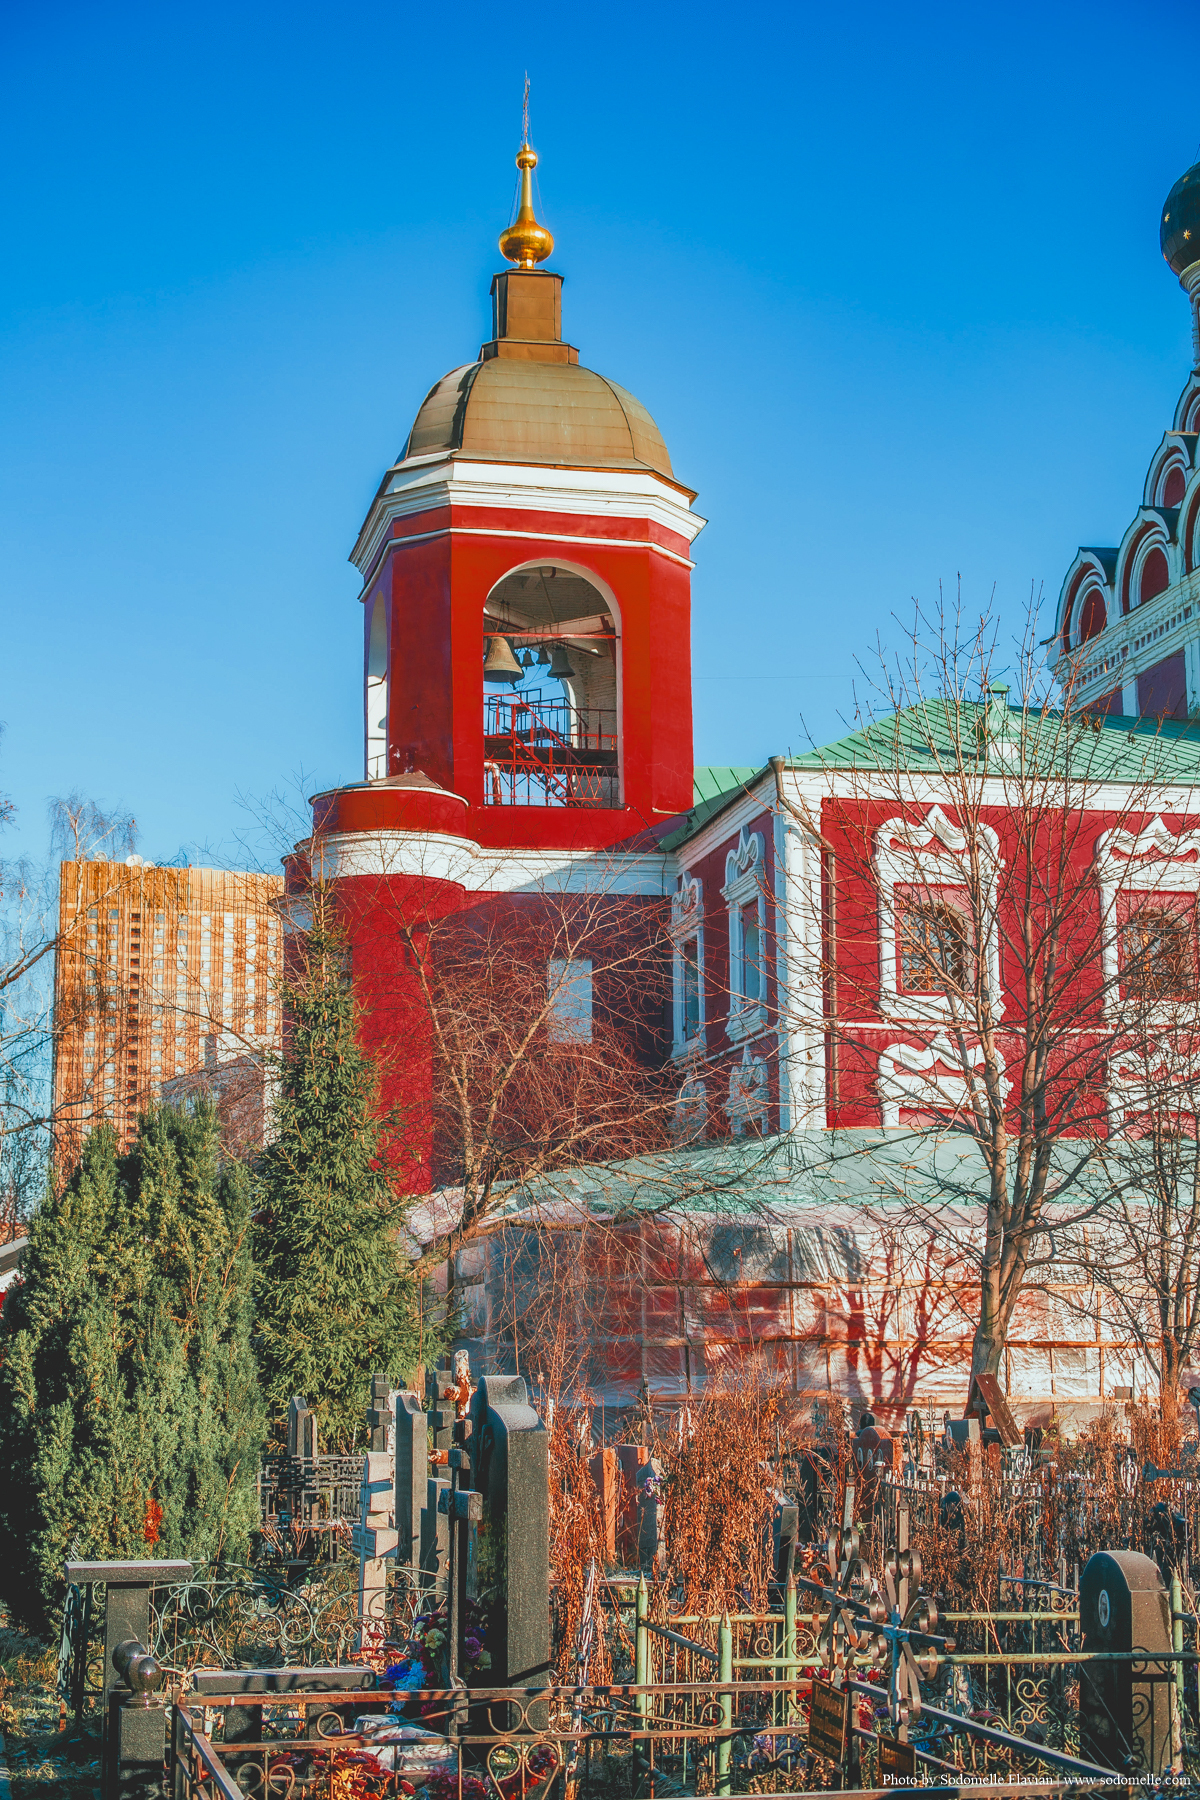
(693, 1046)
(746, 1022)
(936, 1008)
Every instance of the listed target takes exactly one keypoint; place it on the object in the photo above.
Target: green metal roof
(744, 1178)
(937, 735)
(712, 788)
(985, 735)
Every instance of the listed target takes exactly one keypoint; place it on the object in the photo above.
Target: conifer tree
(337, 1298)
(131, 1419)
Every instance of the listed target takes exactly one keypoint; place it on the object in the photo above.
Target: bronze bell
(560, 664)
(500, 666)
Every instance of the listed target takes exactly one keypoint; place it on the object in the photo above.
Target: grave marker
(412, 1478)
(828, 1720)
(510, 1455)
(1125, 1707)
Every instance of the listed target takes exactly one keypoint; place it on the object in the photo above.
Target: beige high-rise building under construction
(160, 972)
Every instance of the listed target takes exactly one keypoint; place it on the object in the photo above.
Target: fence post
(641, 1648)
(725, 1679)
(789, 1645)
(1177, 1645)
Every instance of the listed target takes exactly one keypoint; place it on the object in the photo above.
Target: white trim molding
(745, 879)
(937, 1075)
(749, 1095)
(689, 1124)
(442, 856)
(1155, 860)
(934, 853)
(427, 484)
(686, 926)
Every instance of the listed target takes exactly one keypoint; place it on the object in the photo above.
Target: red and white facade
(534, 515)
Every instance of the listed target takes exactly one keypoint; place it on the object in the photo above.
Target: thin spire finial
(526, 243)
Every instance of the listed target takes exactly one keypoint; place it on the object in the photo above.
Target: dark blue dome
(1179, 233)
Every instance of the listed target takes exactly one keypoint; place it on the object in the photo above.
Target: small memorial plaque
(828, 1720)
(897, 1761)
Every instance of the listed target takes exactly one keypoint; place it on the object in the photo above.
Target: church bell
(560, 664)
(500, 665)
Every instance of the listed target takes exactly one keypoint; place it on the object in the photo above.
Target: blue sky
(888, 278)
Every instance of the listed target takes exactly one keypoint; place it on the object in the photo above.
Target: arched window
(1093, 616)
(377, 689)
(1156, 954)
(1154, 577)
(933, 949)
(550, 650)
(1173, 486)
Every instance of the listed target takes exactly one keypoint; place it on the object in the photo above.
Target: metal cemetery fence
(853, 1672)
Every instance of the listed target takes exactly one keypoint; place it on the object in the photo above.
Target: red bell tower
(527, 667)
(526, 593)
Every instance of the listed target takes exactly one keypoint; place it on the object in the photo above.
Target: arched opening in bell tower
(376, 695)
(551, 691)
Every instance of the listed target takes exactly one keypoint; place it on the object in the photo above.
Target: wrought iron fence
(230, 1616)
(722, 1738)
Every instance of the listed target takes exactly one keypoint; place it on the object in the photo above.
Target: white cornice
(437, 856)
(519, 487)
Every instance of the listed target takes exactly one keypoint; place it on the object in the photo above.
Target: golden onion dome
(526, 243)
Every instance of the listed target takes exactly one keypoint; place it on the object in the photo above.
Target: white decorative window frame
(1088, 587)
(690, 1122)
(745, 882)
(1128, 576)
(687, 922)
(909, 1076)
(910, 864)
(1137, 1079)
(1151, 861)
(749, 1095)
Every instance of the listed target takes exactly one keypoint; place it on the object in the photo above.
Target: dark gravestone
(510, 1453)
(1125, 1707)
(302, 1429)
(650, 1549)
(785, 1531)
(134, 1746)
(244, 1724)
(412, 1477)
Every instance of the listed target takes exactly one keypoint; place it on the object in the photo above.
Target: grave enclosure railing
(1014, 1670)
(723, 1738)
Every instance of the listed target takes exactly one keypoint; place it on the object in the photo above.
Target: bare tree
(972, 978)
(1142, 1251)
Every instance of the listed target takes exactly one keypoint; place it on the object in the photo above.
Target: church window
(550, 656)
(1157, 961)
(1173, 486)
(690, 1008)
(1154, 577)
(569, 996)
(1092, 616)
(687, 982)
(745, 896)
(377, 689)
(932, 946)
